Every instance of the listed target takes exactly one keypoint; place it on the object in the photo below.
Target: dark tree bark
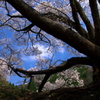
(99, 1)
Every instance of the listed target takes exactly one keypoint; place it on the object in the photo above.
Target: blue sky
(16, 79)
(30, 61)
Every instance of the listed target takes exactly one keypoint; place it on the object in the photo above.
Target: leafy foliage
(33, 86)
(83, 71)
(12, 92)
(53, 78)
(85, 74)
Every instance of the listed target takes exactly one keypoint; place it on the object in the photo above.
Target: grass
(11, 92)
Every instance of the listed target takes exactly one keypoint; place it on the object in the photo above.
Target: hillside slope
(14, 93)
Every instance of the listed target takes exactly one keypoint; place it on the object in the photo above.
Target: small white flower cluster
(4, 72)
(58, 83)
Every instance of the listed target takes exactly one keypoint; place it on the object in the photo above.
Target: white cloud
(33, 69)
(46, 52)
(61, 50)
(16, 13)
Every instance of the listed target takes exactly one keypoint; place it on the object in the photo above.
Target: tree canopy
(72, 24)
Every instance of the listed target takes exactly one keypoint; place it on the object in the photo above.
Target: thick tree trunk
(96, 77)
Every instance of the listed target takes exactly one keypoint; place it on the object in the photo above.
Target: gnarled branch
(91, 32)
(66, 65)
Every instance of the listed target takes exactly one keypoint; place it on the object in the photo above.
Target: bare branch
(5, 22)
(86, 21)
(99, 1)
(96, 19)
(75, 16)
(29, 84)
(27, 29)
(41, 37)
(67, 64)
(6, 6)
(15, 16)
(43, 82)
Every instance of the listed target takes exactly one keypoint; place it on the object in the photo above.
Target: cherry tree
(4, 71)
(67, 78)
(70, 24)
